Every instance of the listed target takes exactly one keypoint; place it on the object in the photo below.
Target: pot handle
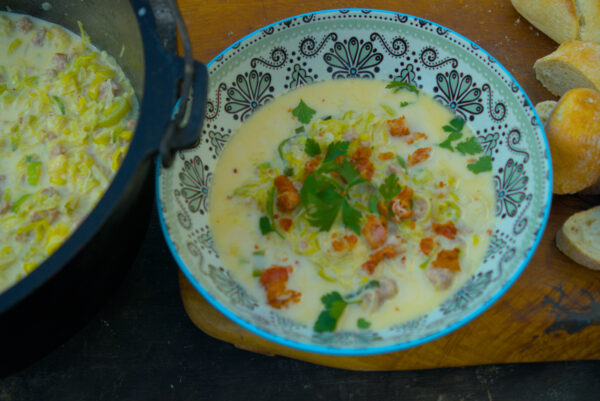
(186, 119)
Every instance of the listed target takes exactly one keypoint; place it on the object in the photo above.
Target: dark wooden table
(142, 346)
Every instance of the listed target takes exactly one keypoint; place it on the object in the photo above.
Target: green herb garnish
(351, 217)
(256, 272)
(404, 104)
(399, 85)
(288, 171)
(363, 324)
(17, 205)
(454, 129)
(299, 129)
(484, 163)
(469, 146)
(312, 147)
(373, 204)
(334, 308)
(390, 187)
(336, 149)
(303, 112)
(401, 162)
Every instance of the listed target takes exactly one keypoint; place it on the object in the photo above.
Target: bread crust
(575, 64)
(556, 18)
(577, 238)
(573, 132)
(588, 12)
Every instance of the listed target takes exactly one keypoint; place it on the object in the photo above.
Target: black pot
(48, 305)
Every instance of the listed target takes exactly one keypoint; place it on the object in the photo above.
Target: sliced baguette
(556, 18)
(573, 132)
(544, 109)
(574, 64)
(588, 12)
(579, 238)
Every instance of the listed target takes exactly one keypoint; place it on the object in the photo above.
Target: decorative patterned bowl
(366, 44)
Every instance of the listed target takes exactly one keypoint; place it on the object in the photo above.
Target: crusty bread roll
(563, 20)
(556, 18)
(573, 132)
(574, 64)
(579, 238)
(544, 109)
(588, 12)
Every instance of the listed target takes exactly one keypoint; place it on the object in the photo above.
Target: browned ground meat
(40, 37)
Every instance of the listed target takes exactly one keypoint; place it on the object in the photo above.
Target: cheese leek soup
(353, 204)
(67, 114)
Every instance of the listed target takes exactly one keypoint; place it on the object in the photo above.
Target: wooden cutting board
(551, 313)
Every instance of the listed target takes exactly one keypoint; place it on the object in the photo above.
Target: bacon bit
(334, 235)
(418, 156)
(360, 160)
(447, 230)
(376, 257)
(235, 170)
(441, 184)
(256, 246)
(400, 205)
(447, 259)
(285, 224)
(426, 245)
(397, 309)
(382, 208)
(275, 216)
(274, 281)
(397, 127)
(417, 137)
(489, 231)
(375, 230)
(288, 197)
(385, 156)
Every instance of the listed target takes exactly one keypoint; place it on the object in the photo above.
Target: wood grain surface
(551, 313)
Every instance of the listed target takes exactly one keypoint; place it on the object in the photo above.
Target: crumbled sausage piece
(108, 90)
(40, 37)
(400, 205)
(24, 24)
(60, 61)
(285, 224)
(441, 278)
(375, 230)
(287, 194)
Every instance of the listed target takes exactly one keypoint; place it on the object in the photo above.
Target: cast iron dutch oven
(49, 304)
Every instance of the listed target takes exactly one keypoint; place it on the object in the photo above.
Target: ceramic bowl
(339, 44)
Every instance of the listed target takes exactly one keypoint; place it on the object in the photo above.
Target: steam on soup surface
(352, 204)
(67, 114)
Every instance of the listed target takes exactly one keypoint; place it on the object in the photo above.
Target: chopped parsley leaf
(303, 112)
(373, 204)
(484, 163)
(390, 188)
(334, 308)
(469, 146)
(351, 217)
(300, 129)
(335, 149)
(312, 147)
(363, 324)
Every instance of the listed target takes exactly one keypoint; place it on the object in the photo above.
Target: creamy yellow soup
(352, 204)
(67, 115)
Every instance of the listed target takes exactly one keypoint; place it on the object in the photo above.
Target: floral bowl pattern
(339, 44)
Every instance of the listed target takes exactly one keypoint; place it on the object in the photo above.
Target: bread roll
(579, 238)
(574, 64)
(544, 109)
(556, 18)
(588, 12)
(573, 132)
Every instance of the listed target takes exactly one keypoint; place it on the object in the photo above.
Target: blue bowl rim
(336, 351)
